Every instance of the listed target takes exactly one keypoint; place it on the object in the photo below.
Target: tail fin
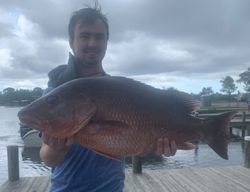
(217, 133)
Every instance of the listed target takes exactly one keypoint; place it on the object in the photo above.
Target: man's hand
(168, 147)
(53, 150)
(56, 143)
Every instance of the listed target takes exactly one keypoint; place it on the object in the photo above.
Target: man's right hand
(53, 150)
(56, 143)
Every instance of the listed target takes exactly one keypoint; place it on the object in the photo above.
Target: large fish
(117, 116)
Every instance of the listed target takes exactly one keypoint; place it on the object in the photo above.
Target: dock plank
(216, 179)
(27, 184)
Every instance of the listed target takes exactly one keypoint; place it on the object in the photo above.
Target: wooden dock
(27, 184)
(211, 179)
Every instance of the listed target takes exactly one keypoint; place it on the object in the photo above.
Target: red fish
(117, 116)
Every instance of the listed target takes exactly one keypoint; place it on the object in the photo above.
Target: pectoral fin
(98, 137)
(109, 127)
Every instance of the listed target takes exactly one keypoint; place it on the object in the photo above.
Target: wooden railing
(240, 121)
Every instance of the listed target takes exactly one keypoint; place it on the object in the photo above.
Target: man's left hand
(168, 147)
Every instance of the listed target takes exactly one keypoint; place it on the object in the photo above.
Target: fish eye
(52, 100)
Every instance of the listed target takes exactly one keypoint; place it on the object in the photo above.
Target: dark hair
(87, 15)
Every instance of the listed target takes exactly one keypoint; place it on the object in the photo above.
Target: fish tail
(217, 133)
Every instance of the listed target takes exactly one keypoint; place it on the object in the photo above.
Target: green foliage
(8, 90)
(228, 85)
(11, 97)
(245, 79)
(206, 91)
(244, 97)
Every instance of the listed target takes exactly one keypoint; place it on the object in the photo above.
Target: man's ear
(71, 43)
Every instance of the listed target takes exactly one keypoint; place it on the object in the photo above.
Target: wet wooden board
(211, 179)
(27, 184)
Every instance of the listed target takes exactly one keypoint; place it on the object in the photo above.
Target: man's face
(90, 42)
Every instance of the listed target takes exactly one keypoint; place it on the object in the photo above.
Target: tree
(8, 95)
(228, 86)
(206, 94)
(245, 78)
(37, 92)
(11, 97)
(206, 91)
(8, 90)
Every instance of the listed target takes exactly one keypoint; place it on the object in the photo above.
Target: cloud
(161, 42)
(6, 30)
(29, 53)
(144, 54)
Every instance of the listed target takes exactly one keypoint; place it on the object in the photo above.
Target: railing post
(231, 131)
(13, 163)
(244, 124)
(247, 151)
(137, 164)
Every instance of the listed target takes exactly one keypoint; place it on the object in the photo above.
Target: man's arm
(53, 150)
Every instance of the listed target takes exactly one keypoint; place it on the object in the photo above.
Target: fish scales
(118, 116)
(139, 120)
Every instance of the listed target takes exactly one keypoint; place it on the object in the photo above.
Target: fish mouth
(33, 122)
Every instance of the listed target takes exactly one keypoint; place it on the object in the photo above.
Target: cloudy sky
(187, 44)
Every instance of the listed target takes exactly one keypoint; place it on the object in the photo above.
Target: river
(31, 165)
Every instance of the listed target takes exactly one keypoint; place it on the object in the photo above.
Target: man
(75, 168)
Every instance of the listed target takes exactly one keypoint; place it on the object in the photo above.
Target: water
(31, 165)
(204, 156)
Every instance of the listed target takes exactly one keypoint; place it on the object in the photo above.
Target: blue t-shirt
(85, 171)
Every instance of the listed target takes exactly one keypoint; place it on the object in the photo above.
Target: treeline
(229, 87)
(19, 97)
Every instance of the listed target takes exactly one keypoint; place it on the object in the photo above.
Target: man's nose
(92, 42)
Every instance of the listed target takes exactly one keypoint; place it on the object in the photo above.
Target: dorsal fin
(173, 99)
(181, 100)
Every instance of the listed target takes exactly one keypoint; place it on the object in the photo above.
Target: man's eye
(99, 37)
(85, 36)
(52, 100)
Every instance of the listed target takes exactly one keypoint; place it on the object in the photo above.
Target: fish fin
(100, 127)
(217, 134)
(109, 156)
(181, 101)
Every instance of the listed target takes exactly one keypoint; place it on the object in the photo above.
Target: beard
(90, 60)
(89, 56)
